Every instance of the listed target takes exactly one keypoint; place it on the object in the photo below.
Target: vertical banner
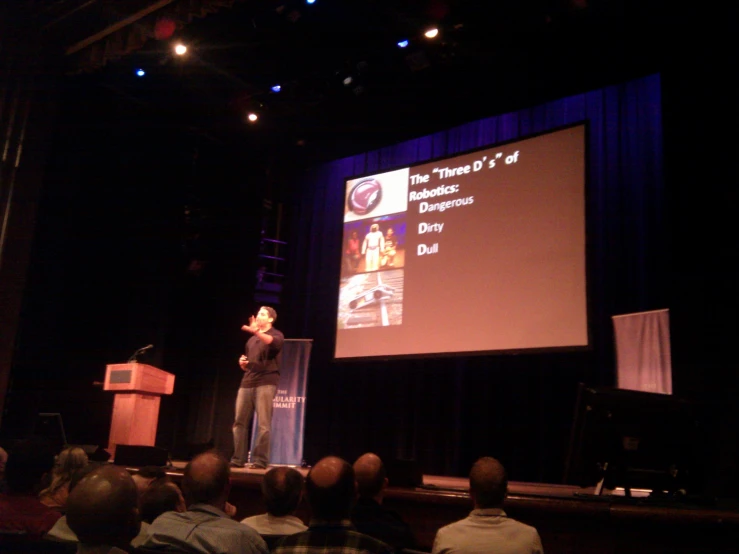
(288, 417)
(643, 351)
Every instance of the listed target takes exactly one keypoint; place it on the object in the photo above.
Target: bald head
(207, 480)
(102, 508)
(282, 489)
(331, 489)
(369, 471)
(488, 483)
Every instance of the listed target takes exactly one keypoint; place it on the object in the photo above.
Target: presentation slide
(480, 252)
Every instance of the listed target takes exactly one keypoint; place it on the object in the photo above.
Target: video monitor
(635, 440)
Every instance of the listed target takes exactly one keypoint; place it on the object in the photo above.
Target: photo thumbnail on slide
(374, 244)
(371, 300)
(376, 195)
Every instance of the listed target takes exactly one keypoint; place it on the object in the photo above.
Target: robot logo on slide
(365, 196)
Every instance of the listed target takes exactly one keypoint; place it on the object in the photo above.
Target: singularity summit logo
(365, 196)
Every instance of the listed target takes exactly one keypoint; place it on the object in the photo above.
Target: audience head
(282, 488)
(102, 508)
(369, 472)
(80, 474)
(146, 475)
(207, 480)
(488, 483)
(68, 461)
(331, 489)
(27, 463)
(161, 496)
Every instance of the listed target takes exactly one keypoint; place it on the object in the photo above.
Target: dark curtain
(444, 413)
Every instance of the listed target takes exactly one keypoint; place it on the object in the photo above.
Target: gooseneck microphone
(135, 355)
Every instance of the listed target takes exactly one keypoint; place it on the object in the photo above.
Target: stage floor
(443, 483)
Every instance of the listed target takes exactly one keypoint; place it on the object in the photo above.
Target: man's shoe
(256, 466)
(235, 464)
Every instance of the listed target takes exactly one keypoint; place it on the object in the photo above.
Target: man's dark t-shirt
(264, 360)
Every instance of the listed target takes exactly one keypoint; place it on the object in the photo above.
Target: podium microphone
(135, 355)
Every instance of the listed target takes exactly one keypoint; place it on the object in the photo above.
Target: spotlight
(402, 43)
(431, 33)
(140, 72)
(310, 1)
(252, 117)
(276, 88)
(180, 49)
(348, 81)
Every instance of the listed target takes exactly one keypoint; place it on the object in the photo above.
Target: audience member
(369, 516)
(161, 496)
(102, 510)
(488, 528)
(282, 489)
(331, 491)
(20, 509)
(68, 461)
(146, 475)
(61, 530)
(205, 526)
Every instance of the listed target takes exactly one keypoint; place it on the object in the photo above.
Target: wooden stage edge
(567, 518)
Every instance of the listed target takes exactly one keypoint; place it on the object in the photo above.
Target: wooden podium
(138, 389)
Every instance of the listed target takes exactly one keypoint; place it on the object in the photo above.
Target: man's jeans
(250, 401)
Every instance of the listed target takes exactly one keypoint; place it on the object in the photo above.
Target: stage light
(310, 1)
(140, 72)
(276, 88)
(164, 28)
(180, 49)
(403, 43)
(348, 81)
(252, 117)
(431, 33)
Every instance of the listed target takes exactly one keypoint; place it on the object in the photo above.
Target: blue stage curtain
(444, 413)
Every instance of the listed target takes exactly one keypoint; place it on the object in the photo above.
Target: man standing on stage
(261, 366)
